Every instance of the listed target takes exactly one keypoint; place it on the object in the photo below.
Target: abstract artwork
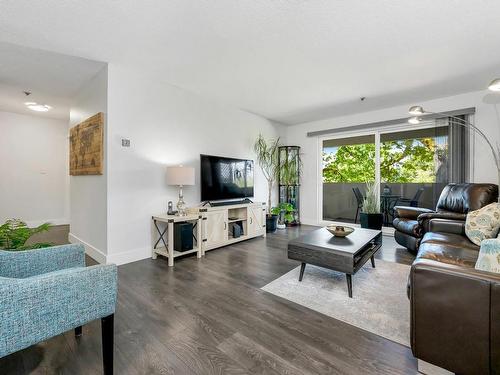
(86, 146)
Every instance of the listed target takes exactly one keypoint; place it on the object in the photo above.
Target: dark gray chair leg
(78, 331)
(107, 328)
(302, 268)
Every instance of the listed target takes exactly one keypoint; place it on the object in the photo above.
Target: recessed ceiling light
(38, 107)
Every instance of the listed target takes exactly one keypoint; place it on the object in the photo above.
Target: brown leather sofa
(455, 309)
(455, 201)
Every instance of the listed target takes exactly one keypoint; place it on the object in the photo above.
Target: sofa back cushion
(462, 198)
(483, 224)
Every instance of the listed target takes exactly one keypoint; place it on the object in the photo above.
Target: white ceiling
(290, 61)
(52, 79)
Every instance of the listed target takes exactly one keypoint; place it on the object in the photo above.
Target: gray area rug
(379, 304)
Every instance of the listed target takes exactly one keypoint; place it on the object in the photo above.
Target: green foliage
(14, 233)
(401, 161)
(370, 205)
(268, 158)
(351, 163)
(286, 212)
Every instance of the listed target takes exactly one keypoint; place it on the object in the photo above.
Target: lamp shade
(180, 175)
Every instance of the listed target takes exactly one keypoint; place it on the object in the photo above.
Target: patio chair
(412, 202)
(359, 202)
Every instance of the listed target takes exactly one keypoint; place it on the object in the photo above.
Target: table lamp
(180, 176)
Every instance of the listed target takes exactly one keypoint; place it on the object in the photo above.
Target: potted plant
(371, 217)
(14, 234)
(285, 212)
(268, 158)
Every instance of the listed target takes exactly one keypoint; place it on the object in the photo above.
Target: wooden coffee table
(346, 255)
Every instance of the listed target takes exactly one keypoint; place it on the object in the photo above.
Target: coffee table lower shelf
(346, 255)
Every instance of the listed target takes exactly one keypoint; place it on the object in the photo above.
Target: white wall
(88, 194)
(166, 126)
(33, 169)
(487, 118)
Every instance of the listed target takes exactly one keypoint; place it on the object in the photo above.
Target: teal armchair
(46, 292)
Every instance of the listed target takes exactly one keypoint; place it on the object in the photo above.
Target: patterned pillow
(483, 223)
(489, 256)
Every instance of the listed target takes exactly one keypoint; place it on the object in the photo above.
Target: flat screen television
(225, 178)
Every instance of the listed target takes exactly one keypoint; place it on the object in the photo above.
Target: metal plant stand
(289, 178)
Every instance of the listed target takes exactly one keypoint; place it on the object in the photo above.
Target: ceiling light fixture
(494, 85)
(37, 107)
(416, 110)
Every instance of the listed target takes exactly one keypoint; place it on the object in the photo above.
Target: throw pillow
(483, 223)
(489, 256)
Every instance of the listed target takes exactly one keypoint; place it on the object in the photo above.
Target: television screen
(225, 178)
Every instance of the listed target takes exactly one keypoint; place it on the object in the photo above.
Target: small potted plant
(268, 158)
(371, 217)
(285, 212)
(14, 234)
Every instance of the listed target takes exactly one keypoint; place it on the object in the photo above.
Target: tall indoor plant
(371, 217)
(268, 158)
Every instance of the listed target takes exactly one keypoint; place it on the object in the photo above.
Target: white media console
(217, 221)
(216, 228)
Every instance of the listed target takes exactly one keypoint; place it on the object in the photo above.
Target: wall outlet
(125, 142)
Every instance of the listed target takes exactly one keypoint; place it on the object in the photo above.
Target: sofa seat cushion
(448, 248)
(407, 226)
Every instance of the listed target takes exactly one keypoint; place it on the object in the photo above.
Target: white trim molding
(90, 250)
(130, 256)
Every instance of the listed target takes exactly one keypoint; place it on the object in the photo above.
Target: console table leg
(302, 268)
(373, 261)
(349, 285)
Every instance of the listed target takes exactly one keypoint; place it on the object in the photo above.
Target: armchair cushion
(39, 307)
(447, 226)
(407, 212)
(424, 218)
(22, 264)
(407, 226)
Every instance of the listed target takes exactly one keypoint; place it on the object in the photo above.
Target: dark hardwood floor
(209, 316)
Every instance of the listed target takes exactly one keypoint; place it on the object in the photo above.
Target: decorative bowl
(339, 230)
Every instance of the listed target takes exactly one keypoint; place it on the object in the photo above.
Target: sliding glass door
(410, 165)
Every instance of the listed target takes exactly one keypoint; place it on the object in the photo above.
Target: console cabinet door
(255, 220)
(215, 228)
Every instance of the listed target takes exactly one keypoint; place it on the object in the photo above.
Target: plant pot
(371, 221)
(271, 222)
(281, 226)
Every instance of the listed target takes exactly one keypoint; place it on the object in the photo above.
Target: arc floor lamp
(416, 111)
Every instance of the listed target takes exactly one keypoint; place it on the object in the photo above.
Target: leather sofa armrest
(407, 212)
(424, 218)
(447, 226)
(454, 316)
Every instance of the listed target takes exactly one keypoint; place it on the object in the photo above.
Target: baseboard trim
(90, 250)
(430, 369)
(35, 223)
(129, 256)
